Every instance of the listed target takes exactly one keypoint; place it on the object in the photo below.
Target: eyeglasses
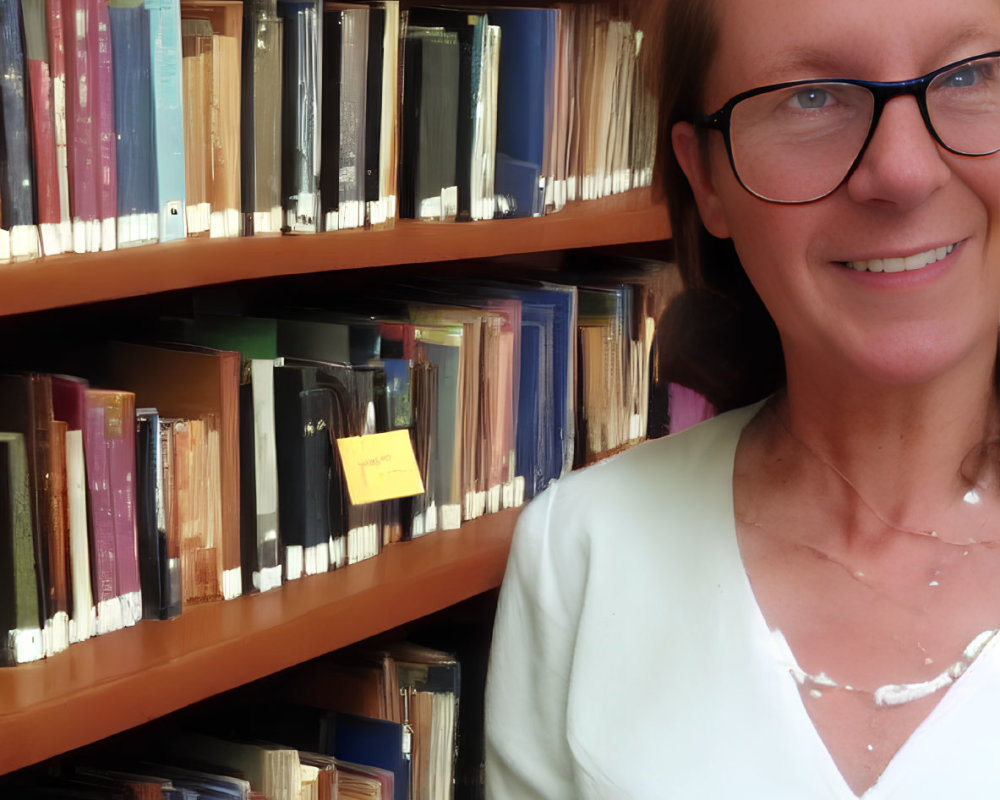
(797, 142)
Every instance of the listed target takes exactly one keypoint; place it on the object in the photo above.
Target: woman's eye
(811, 98)
(962, 77)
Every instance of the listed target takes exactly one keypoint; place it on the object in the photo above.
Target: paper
(380, 466)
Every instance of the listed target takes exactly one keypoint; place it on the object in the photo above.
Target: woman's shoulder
(699, 455)
(655, 490)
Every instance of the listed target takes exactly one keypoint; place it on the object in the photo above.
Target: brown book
(211, 34)
(196, 383)
(59, 583)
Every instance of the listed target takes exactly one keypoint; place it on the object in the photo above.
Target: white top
(630, 658)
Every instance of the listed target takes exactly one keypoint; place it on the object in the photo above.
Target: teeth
(918, 261)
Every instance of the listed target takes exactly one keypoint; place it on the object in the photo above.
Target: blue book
(17, 186)
(135, 164)
(168, 115)
(526, 59)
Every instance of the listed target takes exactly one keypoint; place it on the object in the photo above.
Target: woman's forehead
(769, 41)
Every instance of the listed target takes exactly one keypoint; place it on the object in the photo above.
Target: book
(115, 411)
(20, 620)
(87, 147)
(525, 66)
(116, 588)
(191, 383)
(302, 52)
(353, 116)
(469, 30)
(159, 557)
(167, 115)
(331, 65)
(43, 126)
(430, 123)
(56, 40)
(260, 109)
(18, 234)
(384, 209)
(310, 495)
(211, 43)
(100, 46)
(137, 195)
(69, 405)
(261, 542)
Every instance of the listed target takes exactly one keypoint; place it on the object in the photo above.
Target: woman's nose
(903, 164)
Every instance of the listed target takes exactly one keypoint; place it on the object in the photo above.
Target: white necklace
(892, 694)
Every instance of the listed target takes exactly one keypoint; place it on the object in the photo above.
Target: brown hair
(716, 337)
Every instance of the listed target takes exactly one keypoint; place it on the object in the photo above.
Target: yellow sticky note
(380, 466)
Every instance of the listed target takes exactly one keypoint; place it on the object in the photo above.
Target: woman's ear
(691, 157)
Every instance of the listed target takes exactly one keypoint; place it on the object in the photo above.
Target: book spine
(302, 48)
(57, 70)
(119, 422)
(80, 112)
(83, 623)
(329, 177)
(168, 120)
(17, 199)
(104, 88)
(59, 557)
(43, 126)
(225, 136)
(354, 68)
(266, 474)
(21, 631)
(137, 209)
(102, 527)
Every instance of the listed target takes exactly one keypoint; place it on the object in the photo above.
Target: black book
(305, 469)
(463, 24)
(430, 122)
(373, 102)
(159, 573)
(329, 174)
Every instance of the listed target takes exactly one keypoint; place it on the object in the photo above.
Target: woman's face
(908, 196)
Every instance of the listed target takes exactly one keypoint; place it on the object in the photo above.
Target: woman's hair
(716, 337)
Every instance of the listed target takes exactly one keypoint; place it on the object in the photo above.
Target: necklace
(970, 499)
(891, 694)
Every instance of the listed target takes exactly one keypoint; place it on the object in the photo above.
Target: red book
(107, 186)
(81, 121)
(109, 448)
(42, 125)
(57, 73)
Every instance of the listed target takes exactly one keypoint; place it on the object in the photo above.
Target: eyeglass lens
(798, 143)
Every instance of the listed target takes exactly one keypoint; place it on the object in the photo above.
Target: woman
(797, 598)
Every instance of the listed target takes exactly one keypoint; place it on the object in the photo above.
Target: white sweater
(630, 658)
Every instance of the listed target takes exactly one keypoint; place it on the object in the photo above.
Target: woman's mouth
(902, 264)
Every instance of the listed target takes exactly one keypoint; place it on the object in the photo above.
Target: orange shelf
(68, 280)
(114, 682)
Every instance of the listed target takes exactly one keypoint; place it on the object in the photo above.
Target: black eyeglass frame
(882, 92)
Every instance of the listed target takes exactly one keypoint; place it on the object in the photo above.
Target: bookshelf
(66, 280)
(124, 679)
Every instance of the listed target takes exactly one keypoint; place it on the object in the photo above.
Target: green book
(20, 621)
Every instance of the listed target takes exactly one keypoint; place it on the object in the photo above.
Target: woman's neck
(908, 452)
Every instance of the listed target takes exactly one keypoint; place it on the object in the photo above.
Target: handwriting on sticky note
(380, 466)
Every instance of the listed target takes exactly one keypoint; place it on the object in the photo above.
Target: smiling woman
(800, 597)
